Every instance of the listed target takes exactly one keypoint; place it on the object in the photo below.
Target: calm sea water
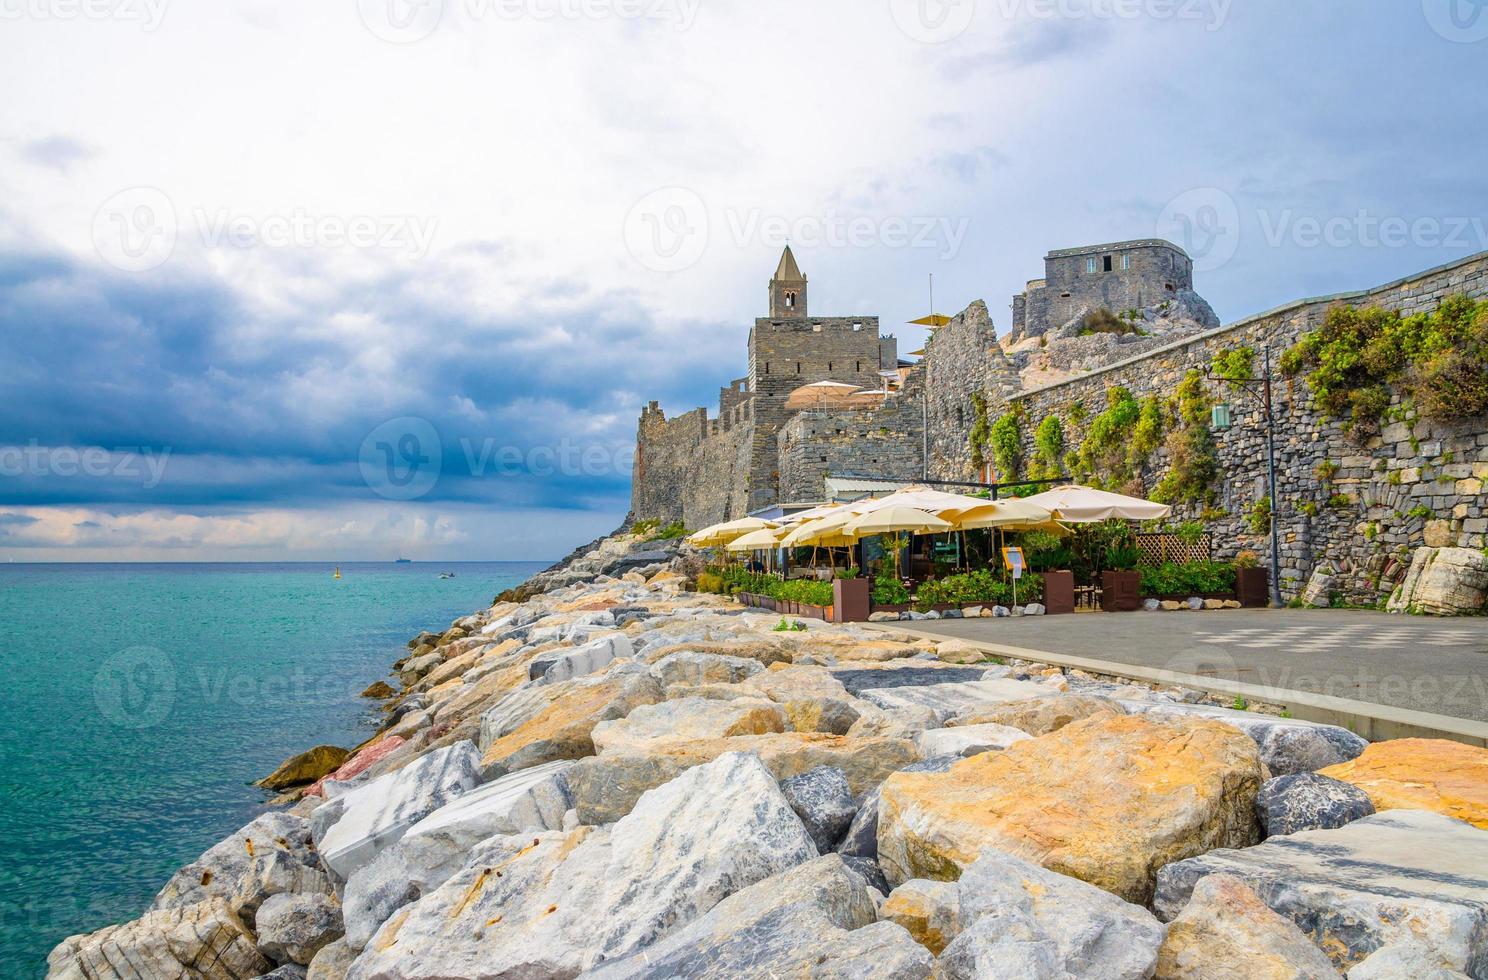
(142, 700)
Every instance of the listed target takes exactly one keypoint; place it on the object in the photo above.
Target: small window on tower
(798, 367)
(1106, 265)
(1090, 264)
(790, 301)
(1125, 261)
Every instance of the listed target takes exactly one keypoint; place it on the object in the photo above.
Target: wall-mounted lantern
(1219, 418)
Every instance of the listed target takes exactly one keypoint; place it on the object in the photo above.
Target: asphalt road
(1432, 665)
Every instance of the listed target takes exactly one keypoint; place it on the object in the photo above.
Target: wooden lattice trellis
(1163, 547)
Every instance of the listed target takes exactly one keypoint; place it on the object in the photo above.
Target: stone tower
(788, 290)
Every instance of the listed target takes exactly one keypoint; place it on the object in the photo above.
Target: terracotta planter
(1253, 586)
(1121, 591)
(1059, 592)
(850, 600)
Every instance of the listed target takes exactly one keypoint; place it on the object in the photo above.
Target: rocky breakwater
(607, 774)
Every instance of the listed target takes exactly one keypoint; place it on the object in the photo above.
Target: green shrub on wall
(981, 431)
(1233, 364)
(1007, 447)
(1438, 359)
(1048, 442)
(1193, 461)
(1104, 452)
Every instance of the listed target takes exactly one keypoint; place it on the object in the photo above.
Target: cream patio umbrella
(946, 506)
(765, 539)
(1013, 513)
(721, 534)
(890, 520)
(822, 532)
(1086, 505)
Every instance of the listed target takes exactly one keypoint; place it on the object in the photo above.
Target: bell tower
(788, 290)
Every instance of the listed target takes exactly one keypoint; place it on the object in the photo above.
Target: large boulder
(1443, 582)
(534, 725)
(205, 941)
(580, 661)
(437, 846)
(306, 767)
(814, 920)
(555, 904)
(688, 719)
(927, 909)
(1041, 715)
(1013, 919)
(691, 667)
(1308, 801)
(1107, 800)
(1422, 774)
(605, 787)
(1407, 875)
(861, 839)
(967, 740)
(1227, 931)
(950, 700)
(823, 800)
(1405, 959)
(293, 928)
(271, 855)
(363, 822)
(1288, 745)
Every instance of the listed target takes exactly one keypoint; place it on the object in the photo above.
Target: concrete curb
(1376, 722)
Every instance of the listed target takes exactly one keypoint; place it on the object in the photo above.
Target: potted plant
(850, 597)
(1252, 581)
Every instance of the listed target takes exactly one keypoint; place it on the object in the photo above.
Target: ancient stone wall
(962, 359)
(1120, 276)
(882, 443)
(1412, 484)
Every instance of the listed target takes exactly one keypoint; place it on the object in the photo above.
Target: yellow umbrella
(765, 539)
(888, 520)
(824, 531)
(719, 534)
(1011, 513)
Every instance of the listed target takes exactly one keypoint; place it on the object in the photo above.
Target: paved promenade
(1405, 662)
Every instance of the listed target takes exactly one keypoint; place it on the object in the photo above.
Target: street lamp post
(1260, 388)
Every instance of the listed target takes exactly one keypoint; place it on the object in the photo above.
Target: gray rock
(869, 870)
(1227, 931)
(967, 740)
(1151, 605)
(1405, 959)
(815, 920)
(293, 928)
(1308, 801)
(823, 801)
(861, 839)
(437, 846)
(1001, 612)
(289, 971)
(1034, 609)
(331, 963)
(1017, 919)
(1402, 875)
(1194, 602)
(206, 940)
(376, 815)
(949, 700)
(581, 661)
(554, 904)
(689, 667)
(1288, 745)
(272, 854)
(858, 681)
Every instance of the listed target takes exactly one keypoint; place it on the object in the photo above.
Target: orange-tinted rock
(1108, 800)
(363, 760)
(1443, 776)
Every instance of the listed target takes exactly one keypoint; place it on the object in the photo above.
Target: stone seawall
(1389, 480)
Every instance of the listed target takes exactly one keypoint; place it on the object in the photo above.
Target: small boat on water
(403, 561)
(446, 574)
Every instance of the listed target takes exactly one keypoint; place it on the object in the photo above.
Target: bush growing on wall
(1048, 442)
(1007, 447)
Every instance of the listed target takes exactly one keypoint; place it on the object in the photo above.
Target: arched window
(790, 301)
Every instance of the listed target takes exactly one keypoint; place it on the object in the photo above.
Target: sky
(362, 279)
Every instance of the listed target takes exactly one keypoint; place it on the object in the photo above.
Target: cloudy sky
(361, 278)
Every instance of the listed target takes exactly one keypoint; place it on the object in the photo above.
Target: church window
(790, 301)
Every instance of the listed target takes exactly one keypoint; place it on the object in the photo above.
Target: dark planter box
(850, 603)
(1059, 592)
(1253, 586)
(1121, 591)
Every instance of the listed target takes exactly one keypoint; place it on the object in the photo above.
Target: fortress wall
(1408, 466)
(878, 443)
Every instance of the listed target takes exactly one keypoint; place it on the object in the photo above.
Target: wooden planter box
(1059, 592)
(1121, 591)
(1253, 587)
(850, 600)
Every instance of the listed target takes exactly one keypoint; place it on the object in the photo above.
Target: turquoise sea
(142, 700)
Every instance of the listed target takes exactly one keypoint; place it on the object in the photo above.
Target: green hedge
(1188, 578)
(728, 581)
(981, 587)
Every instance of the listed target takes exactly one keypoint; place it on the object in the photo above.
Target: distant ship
(447, 575)
(403, 561)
